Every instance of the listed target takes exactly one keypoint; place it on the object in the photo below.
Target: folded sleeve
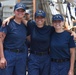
(3, 29)
(71, 42)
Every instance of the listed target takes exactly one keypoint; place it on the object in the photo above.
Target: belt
(14, 50)
(60, 60)
(40, 53)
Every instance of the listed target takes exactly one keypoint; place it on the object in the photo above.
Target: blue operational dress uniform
(39, 58)
(15, 49)
(60, 51)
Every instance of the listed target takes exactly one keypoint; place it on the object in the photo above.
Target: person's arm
(71, 45)
(72, 60)
(2, 35)
(3, 61)
(24, 21)
(7, 20)
(72, 34)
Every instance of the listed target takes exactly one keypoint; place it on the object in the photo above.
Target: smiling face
(58, 24)
(40, 21)
(19, 13)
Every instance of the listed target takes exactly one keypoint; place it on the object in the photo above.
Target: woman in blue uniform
(13, 50)
(39, 59)
(62, 48)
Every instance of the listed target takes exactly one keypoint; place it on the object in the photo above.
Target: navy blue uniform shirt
(40, 37)
(61, 44)
(15, 35)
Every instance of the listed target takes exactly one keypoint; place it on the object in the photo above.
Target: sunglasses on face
(20, 10)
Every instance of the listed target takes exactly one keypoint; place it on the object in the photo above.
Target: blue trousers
(15, 62)
(59, 68)
(38, 65)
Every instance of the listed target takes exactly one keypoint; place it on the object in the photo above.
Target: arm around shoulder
(7, 20)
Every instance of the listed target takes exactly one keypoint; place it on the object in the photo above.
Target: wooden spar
(58, 1)
(46, 8)
(34, 7)
(18, 0)
(43, 6)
